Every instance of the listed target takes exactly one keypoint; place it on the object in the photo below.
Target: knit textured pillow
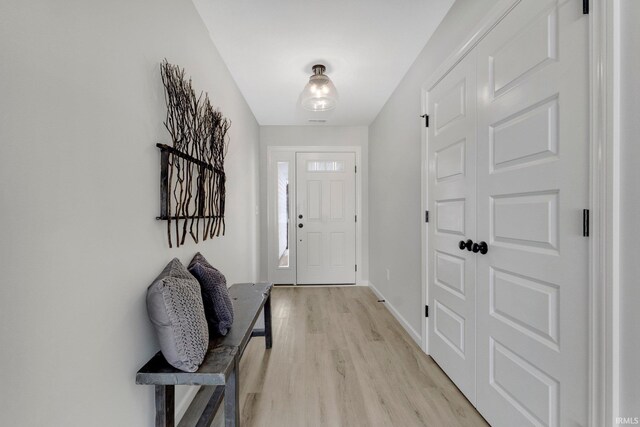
(174, 304)
(218, 307)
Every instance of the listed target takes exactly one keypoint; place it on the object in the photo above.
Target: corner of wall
(417, 337)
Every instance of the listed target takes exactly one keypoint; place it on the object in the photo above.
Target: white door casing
(532, 169)
(452, 194)
(326, 210)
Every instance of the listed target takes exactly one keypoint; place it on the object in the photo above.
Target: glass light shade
(319, 94)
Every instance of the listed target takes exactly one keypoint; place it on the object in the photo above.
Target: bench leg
(267, 322)
(165, 404)
(232, 399)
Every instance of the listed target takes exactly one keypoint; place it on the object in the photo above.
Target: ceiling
(366, 45)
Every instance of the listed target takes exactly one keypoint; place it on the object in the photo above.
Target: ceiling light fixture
(319, 94)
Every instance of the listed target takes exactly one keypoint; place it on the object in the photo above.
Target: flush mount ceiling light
(319, 94)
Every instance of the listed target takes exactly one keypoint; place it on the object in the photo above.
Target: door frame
(604, 143)
(277, 153)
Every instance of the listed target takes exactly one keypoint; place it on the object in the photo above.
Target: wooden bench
(218, 374)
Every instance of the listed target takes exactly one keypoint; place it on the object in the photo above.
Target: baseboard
(412, 332)
(347, 285)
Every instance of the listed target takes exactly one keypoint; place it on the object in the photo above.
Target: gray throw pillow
(174, 304)
(218, 307)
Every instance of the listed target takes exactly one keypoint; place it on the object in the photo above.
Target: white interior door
(452, 202)
(532, 187)
(326, 218)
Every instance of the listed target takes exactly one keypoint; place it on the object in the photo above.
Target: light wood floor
(339, 358)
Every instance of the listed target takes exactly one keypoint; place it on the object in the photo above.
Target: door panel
(532, 171)
(327, 203)
(314, 249)
(450, 216)
(452, 193)
(538, 318)
(337, 248)
(513, 60)
(314, 200)
(450, 161)
(337, 201)
(449, 273)
(528, 389)
(450, 106)
(450, 327)
(525, 220)
(539, 122)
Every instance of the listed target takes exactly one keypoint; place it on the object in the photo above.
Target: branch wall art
(192, 178)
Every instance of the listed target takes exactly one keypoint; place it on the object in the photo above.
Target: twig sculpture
(192, 169)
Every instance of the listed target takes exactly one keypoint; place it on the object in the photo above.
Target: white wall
(315, 136)
(394, 161)
(630, 210)
(81, 108)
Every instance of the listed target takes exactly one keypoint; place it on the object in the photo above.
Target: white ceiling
(367, 46)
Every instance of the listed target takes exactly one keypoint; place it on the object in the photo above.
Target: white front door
(452, 196)
(533, 153)
(326, 218)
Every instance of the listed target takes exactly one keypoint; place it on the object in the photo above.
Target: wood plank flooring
(339, 358)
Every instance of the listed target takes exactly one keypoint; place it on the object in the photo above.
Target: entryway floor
(339, 358)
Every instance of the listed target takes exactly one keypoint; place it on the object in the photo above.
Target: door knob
(480, 247)
(300, 225)
(465, 245)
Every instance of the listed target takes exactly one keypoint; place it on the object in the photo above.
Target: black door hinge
(426, 216)
(355, 169)
(426, 120)
(585, 222)
(356, 218)
(585, 7)
(356, 267)
(426, 311)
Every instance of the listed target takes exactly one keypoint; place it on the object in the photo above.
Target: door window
(283, 214)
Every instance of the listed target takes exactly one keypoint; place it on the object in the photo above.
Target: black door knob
(465, 245)
(300, 216)
(480, 247)
(300, 225)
